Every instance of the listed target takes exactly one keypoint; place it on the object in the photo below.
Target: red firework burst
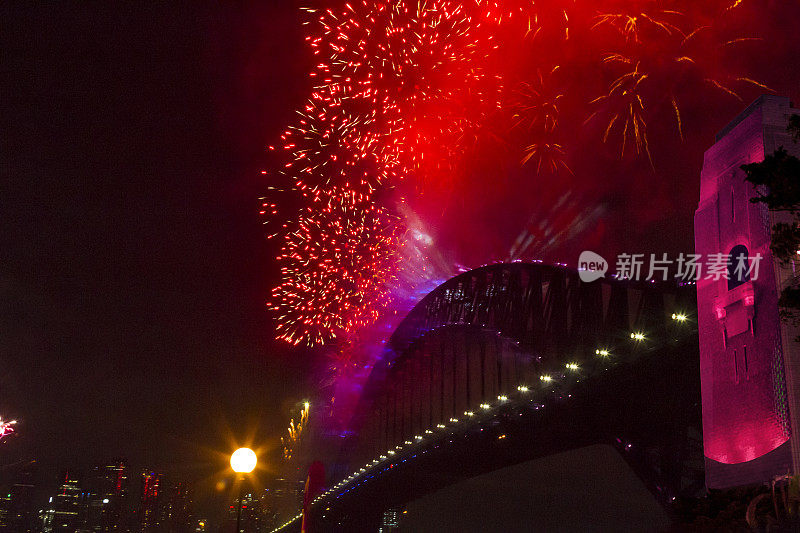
(406, 91)
(6, 428)
(336, 268)
(413, 73)
(329, 148)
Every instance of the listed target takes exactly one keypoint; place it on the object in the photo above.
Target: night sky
(133, 268)
(133, 265)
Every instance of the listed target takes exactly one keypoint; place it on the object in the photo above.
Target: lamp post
(243, 461)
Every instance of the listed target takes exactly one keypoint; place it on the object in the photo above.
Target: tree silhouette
(777, 184)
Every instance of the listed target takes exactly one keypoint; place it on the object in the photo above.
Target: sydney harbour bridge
(514, 362)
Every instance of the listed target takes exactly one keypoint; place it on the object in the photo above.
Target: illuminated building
(64, 511)
(16, 504)
(390, 521)
(253, 519)
(5, 509)
(175, 508)
(107, 498)
(282, 499)
(746, 352)
(149, 501)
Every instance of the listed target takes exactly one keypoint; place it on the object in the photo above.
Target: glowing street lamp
(243, 461)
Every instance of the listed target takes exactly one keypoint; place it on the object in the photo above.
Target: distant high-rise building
(749, 361)
(200, 525)
(16, 504)
(390, 521)
(107, 498)
(176, 508)
(268, 506)
(5, 509)
(252, 514)
(149, 502)
(283, 498)
(63, 514)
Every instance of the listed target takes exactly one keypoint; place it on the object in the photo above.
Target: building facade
(150, 500)
(747, 354)
(64, 514)
(107, 498)
(16, 505)
(176, 508)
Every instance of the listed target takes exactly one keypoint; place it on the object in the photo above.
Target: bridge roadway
(515, 362)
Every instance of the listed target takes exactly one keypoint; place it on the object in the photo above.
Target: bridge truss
(510, 362)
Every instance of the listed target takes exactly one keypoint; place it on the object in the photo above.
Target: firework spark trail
(734, 5)
(291, 443)
(549, 157)
(677, 55)
(405, 93)
(398, 88)
(6, 428)
(329, 148)
(625, 98)
(536, 110)
(633, 25)
(537, 104)
(336, 269)
(414, 74)
(350, 363)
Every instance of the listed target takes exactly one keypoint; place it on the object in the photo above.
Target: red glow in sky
(482, 116)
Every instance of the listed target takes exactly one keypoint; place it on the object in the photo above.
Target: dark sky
(133, 266)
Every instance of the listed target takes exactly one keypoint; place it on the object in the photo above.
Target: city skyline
(115, 497)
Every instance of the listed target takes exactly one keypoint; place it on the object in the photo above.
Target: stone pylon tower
(748, 357)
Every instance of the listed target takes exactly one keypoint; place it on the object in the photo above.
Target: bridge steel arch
(459, 390)
(480, 335)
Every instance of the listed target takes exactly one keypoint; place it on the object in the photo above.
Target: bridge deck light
(637, 336)
(603, 353)
(469, 413)
(546, 378)
(454, 420)
(679, 317)
(522, 388)
(440, 426)
(418, 437)
(428, 431)
(485, 406)
(502, 398)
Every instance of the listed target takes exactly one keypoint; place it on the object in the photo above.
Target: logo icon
(591, 266)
